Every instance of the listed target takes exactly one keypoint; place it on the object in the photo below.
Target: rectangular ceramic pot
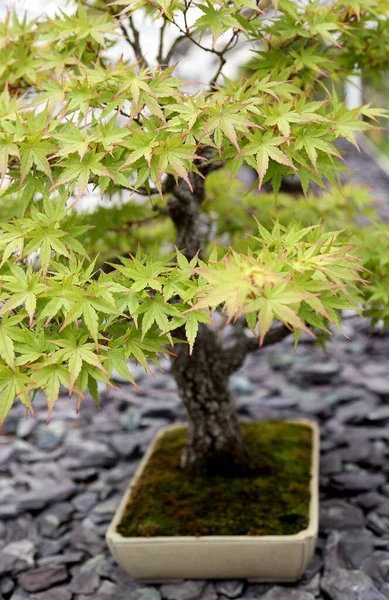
(260, 558)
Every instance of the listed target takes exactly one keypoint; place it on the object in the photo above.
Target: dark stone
(379, 414)
(377, 457)
(343, 394)
(25, 428)
(355, 547)
(8, 511)
(7, 454)
(149, 593)
(356, 451)
(312, 404)
(361, 481)
(90, 453)
(85, 502)
(56, 593)
(20, 594)
(100, 564)
(119, 596)
(106, 509)
(126, 444)
(155, 409)
(83, 474)
(9, 563)
(188, 590)
(317, 373)
(24, 549)
(378, 385)
(332, 558)
(257, 590)
(39, 499)
(377, 567)
(209, 593)
(280, 402)
(6, 585)
(338, 514)
(86, 582)
(380, 525)
(42, 578)
(124, 580)
(47, 548)
(383, 508)
(371, 593)
(283, 593)
(370, 500)
(107, 588)
(48, 440)
(86, 540)
(341, 584)
(231, 589)
(357, 411)
(61, 559)
(330, 463)
(240, 385)
(121, 473)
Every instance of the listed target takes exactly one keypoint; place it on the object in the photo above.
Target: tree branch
(231, 44)
(161, 38)
(166, 60)
(167, 186)
(232, 358)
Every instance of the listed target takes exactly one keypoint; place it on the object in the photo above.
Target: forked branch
(233, 358)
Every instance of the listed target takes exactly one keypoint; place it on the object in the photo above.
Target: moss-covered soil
(272, 500)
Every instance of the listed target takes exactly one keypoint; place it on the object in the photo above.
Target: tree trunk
(215, 442)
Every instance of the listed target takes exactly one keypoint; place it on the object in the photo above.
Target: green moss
(273, 499)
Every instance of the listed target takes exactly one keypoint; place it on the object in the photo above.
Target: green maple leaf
(282, 115)
(312, 141)
(141, 144)
(7, 149)
(49, 378)
(13, 384)
(25, 288)
(227, 120)
(35, 151)
(9, 332)
(78, 171)
(264, 148)
(145, 273)
(75, 352)
(74, 140)
(216, 19)
(154, 310)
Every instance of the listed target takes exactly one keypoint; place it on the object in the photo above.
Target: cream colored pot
(261, 558)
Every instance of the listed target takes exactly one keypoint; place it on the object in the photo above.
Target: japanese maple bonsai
(72, 120)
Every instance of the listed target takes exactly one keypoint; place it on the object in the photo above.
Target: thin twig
(136, 44)
(167, 186)
(229, 46)
(161, 38)
(166, 60)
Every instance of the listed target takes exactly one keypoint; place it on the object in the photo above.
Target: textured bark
(184, 210)
(215, 442)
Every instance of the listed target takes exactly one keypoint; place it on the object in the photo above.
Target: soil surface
(273, 489)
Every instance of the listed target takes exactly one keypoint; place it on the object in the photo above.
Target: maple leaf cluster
(73, 121)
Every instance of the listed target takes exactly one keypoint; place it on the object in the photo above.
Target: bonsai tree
(192, 250)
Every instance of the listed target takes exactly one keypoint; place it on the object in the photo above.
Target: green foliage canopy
(71, 120)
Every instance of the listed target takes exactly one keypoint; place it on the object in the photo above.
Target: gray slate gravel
(60, 497)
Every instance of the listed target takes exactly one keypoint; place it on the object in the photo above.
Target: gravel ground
(60, 484)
